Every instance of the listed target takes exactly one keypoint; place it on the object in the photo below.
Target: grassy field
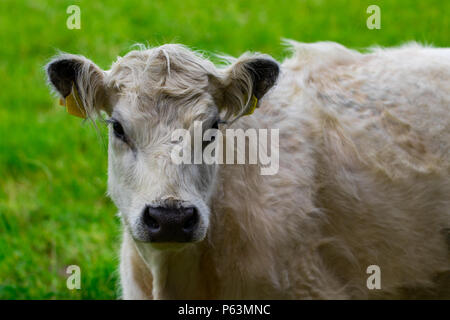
(53, 208)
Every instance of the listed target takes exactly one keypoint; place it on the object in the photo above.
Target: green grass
(53, 208)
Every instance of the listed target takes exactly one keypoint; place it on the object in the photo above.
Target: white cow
(363, 179)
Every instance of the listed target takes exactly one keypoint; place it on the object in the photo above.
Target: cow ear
(243, 84)
(80, 84)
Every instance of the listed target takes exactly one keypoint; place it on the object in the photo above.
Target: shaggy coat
(364, 176)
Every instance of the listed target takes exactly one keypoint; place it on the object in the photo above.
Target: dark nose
(165, 224)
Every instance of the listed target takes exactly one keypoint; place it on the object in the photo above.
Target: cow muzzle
(170, 223)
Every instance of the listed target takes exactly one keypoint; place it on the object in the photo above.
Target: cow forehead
(165, 83)
(143, 110)
(169, 67)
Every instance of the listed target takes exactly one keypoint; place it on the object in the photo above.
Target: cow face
(149, 94)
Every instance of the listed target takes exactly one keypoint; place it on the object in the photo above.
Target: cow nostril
(150, 221)
(192, 219)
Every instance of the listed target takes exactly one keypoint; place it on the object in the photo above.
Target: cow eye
(215, 125)
(118, 129)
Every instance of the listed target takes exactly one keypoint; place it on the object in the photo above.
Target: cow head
(147, 95)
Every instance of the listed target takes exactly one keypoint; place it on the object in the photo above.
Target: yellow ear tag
(252, 107)
(73, 104)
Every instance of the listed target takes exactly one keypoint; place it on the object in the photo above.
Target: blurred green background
(53, 208)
